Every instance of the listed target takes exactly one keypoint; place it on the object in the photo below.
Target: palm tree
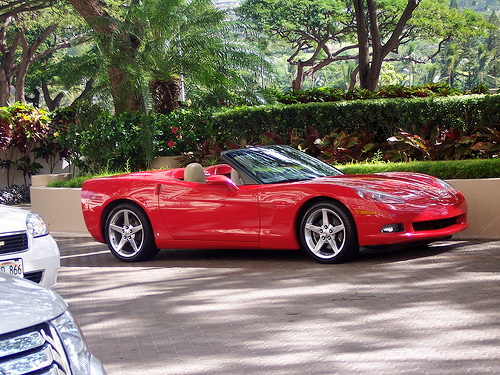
(153, 45)
(192, 41)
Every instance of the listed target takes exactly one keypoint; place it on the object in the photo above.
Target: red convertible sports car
(271, 197)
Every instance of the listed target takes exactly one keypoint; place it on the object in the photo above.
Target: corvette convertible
(269, 197)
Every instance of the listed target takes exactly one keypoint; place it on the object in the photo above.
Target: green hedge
(384, 116)
(454, 169)
(102, 142)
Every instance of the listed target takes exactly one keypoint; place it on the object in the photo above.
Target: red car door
(204, 212)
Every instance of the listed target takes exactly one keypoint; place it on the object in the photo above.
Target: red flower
(171, 144)
(175, 129)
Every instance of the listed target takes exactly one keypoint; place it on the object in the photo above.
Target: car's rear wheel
(328, 233)
(129, 234)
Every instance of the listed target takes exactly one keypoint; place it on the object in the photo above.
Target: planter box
(45, 179)
(483, 201)
(60, 208)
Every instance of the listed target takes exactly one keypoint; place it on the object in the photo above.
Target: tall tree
(119, 40)
(371, 46)
(366, 31)
(154, 44)
(315, 30)
(24, 39)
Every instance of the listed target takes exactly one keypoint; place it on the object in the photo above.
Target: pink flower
(171, 144)
(175, 129)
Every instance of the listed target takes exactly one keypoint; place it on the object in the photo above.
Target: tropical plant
(158, 46)
(22, 127)
(32, 31)
(365, 31)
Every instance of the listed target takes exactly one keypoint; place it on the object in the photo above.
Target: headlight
(446, 185)
(74, 343)
(377, 196)
(36, 226)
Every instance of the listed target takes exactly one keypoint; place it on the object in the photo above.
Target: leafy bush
(428, 128)
(384, 117)
(453, 169)
(463, 169)
(329, 94)
(104, 142)
(21, 128)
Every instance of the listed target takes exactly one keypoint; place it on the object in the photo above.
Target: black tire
(328, 233)
(129, 234)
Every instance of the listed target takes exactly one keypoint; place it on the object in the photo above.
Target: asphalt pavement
(425, 310)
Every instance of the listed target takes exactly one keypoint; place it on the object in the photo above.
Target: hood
(409, 186)
(25, 304)
(12, 219)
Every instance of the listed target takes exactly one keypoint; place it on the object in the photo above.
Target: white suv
(26, 248)
(38, 334)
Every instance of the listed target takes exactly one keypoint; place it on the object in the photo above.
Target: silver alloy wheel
(126, 233)
(324, 233)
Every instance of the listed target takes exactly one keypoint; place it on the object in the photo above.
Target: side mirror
(219, 180)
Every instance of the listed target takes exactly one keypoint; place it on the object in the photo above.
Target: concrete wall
(59, 207)
(483, 200)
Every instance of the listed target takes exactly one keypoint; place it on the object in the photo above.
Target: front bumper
(418, 224)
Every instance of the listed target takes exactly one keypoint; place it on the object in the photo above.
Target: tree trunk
(127, 97)
(299, 77)
(8, 65)
(165, 95)
(4, 88)
(363, 43)
(371, 66)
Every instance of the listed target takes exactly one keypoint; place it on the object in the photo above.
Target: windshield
(276, 164)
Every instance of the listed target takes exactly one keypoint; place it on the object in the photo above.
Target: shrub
(463, 169)
(21, 128)
(382, 116)
(104, 142)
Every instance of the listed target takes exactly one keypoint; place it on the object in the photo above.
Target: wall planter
(483, 200)
(45, 179)
(60, 208)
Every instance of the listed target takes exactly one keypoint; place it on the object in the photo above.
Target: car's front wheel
(328, 233)
(129, 234)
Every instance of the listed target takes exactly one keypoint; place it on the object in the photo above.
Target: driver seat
(194, 172)
(235, 177)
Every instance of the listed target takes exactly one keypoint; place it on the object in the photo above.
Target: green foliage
(321, 32)
(431, 128)
(21, 128)
(100, 141)
(332, 94)
(385, 117)
(77, 181)
(463, 169)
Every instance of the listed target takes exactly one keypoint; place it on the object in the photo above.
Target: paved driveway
(432, 310)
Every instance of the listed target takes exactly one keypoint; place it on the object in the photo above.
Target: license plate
(13, 267)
